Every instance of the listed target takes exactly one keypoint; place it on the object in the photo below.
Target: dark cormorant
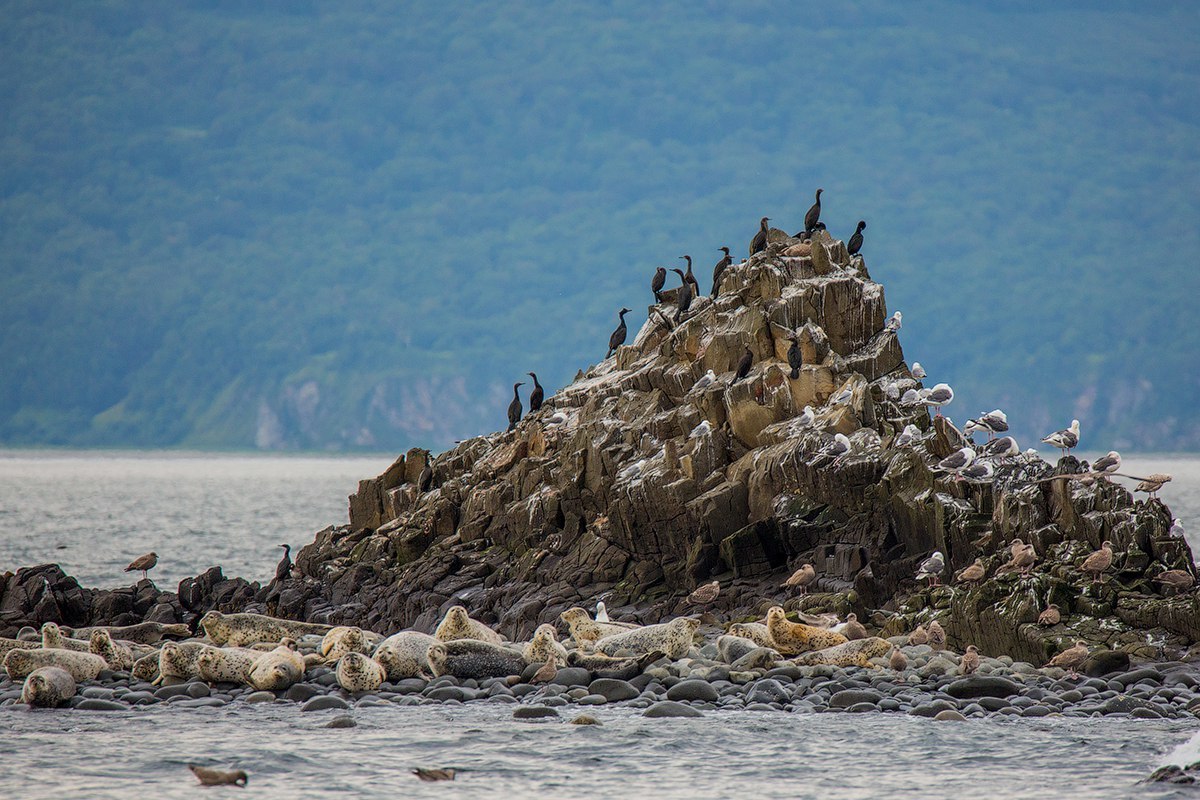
(684, 296)
(285, 564)
(690, 278)
(795, 359)
(657, 283)
(618, 336)
(425, 480)
(719, 270)
(537, 395)
(814, 215)
(856, 241)
(759, 242)
(514, 408)
(743, 367)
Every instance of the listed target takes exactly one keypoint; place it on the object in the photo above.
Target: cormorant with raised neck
(690, 278)
(743, 367)
(514, 408)
(813, 216)
(537, 395)
(759, 242)
(657, 282)
(618, 336)
(684, 296)
(284, 568)
(719, 270)
(856, 241)
(795, 359)
(425, 480)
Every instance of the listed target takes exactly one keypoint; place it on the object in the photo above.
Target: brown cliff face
(631, 485)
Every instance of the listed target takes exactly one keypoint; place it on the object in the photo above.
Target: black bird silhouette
(425, 480)
(759, 242)
(684, 298)
(856, 241)
(719, 270)
(690, 278)
(795, 359)
(814, 215)
(514, 408)
(285, 564)
(657, 283)
(743, 367)
(537, 395)
(618, 336)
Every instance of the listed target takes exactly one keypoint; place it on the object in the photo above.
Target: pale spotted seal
(82, 666)
(758, 658)
(146, 667)
(177, 660)
(225, 664)
(48, 687)
(237, 630)
(673, 638)
(358, 673)
(857, 653)
(341, 640)
(141, 633)
(792, 638)
(457, 625)
(116, 655)
(754, 631)
(472, 658)
(403, 654)
(545, 647)
(730, 648)
(7, 644)
(585, 630)
(53, 638)
(277, 669)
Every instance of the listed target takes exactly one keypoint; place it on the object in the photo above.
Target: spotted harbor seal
(277, 669)
(235, 630)
(48, 687)
(225, 664)
(730, 648)
(457, 625)
(585, 630)
(7, 644)
(472, 658)
(673, 638)
(793, 638)
(116, 655)
(856, 653)
(610, 667)
(754, 631)
(758, 658)
(341, 640)
(53, 637)
(358, 673)
(82, 666)
(146, 667)
(545, 647)
(141, 633)
(403, 654)
(177, 660)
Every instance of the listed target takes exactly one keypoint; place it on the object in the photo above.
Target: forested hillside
(300, 225)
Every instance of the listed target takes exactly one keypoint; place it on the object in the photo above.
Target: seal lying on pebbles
(177, 660)
(793, 638)
(403, 655)
(585, 630)
(730, 648)
(357, 673)
(277, 669)
(341, 640)
(146, 667)
(758, 658)
(82, 666)
(857, 653)
(225, 664)
(141, 633)
(11, 644)
(457, 625)
(116, 655)
(48, 687)
(471, 658)
(673, 638)
(236, 630)
(53, 637)
(609, 667)
(754, 631)
(545, 647)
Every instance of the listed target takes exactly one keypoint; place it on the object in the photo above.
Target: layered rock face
(632, 485)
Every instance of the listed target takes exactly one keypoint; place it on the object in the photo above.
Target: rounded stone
(670, 708)
(201, 702)
(613, 690)
(197, 689)
(260, 697)
(96, 704)
(534, 712)
(447, 693)
(572, 676)
(949, 715)
(325, 702)
(693, 690)
(592, 700)
(341, 721)
(852, 697)
(767, 690)
(302, 692)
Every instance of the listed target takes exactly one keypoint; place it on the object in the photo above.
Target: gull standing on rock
(917, 370)
(839, 447)
(991, 423)
(938, 396)
(1071, 659)
(977, 471)
(937, 636)
(894, 322)
(801, 578)
(932, 567)
(703, 429)
(703, 595)
(957, 461)
(898, 662)
(601, 612)
(807, 417)
(1066, 439)
(909, 436)
(1107, 464)
(1177, 579)
(852, 629)
(1152, 483)
(143, 564)
(969, 661)
(1050, 617)
(841, 397)
(706, 380)
(1176, 528)
(1097, 562)
(919, 636)
(911, 397)
(1003, 447)
(971, 574)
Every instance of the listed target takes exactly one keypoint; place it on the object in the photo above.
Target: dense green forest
(353, 225)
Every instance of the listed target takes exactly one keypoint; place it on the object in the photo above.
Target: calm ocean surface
(93, 512)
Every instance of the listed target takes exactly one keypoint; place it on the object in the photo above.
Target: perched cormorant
(743, 367)
(795, 359)
(719, 270)
(690, 278)
(537, 395)
(285, 564)
(759, 242)
(657, 282)
(856, 241)
(814, 215)
(618, 336)
(425, 479)
(514, 408)
(684, 297)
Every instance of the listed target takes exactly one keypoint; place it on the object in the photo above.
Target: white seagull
(932, 567)
(706, 380)
(938, 396)
(958, 460)
(911, 397)
(1004, 447)
(917, 370)
(893, 324)
(601, 612)
(842, 397)
(1107, 463)
(808, 417)
(1066, 439)
(703, 429)
(840, 446)
(977, 471)
(908, 436)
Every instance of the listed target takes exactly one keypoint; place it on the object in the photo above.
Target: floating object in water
(219, 777)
